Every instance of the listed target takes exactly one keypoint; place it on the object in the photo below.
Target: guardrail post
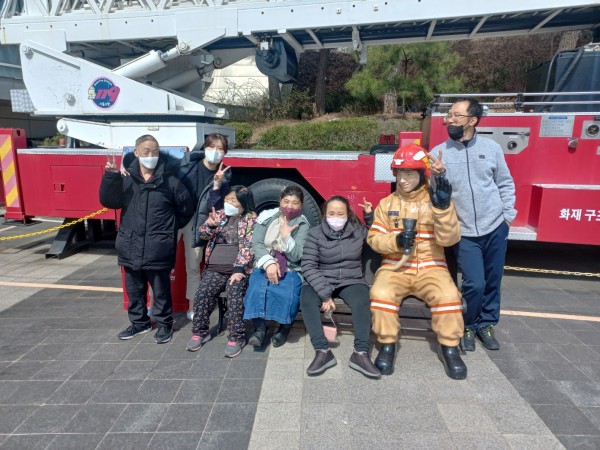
(10, 140)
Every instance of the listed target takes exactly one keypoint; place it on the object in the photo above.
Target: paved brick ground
(66, 381)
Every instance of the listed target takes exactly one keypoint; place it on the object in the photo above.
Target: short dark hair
(292, 190)
(474, 109)
(338, 198)
(244, 196)
(211, 139)
(144, 138)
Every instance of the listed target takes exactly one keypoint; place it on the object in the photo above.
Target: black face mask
(456, 132)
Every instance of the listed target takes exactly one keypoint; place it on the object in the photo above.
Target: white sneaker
(190, 315)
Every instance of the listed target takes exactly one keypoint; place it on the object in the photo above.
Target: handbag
(330, 331)
(281, 261)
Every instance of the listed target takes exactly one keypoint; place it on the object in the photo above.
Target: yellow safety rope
(553, 272)
(50, 230)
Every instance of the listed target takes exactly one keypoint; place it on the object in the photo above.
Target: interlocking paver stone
(66, 381)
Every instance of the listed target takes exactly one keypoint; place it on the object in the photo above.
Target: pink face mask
(337, 223)
(290, 213)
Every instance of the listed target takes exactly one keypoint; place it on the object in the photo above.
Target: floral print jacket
(245, 257)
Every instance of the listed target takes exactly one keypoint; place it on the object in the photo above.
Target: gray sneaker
(233, 349)
(197, 341)
(133, 330)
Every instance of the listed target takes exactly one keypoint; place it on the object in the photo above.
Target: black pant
(356, 296)
(136, 285)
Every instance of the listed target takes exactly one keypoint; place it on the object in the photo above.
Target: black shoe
(453, 364)
(280, 337)
(134, 330)
(468, 340)
(385, 359)
(163, 335)
(257, 337)
(361, 362)
(324, 359)
(486, 335)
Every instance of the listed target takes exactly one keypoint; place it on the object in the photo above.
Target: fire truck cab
(114, 70)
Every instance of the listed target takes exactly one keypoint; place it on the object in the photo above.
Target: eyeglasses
(455, 115)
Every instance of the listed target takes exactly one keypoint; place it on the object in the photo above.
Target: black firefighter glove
(406, 239)
(441, 197)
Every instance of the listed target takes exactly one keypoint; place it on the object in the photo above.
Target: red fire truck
(115, 70)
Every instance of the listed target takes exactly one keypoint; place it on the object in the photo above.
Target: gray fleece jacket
(295, 242)
(483, 189)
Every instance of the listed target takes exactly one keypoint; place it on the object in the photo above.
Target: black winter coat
(332, 260)
(200, 190)
(152, 212)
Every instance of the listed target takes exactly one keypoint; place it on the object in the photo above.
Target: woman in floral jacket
(228, 262)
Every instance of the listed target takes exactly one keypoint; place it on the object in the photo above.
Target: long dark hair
(352, 218)
(244, 196)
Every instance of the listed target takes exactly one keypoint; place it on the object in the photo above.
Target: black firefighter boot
(385, 359)
(453, 364)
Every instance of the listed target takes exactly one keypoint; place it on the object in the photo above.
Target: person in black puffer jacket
(203, 172)
(155, 204)
(332, 266)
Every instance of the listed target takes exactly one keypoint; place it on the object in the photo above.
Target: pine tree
(411, 72)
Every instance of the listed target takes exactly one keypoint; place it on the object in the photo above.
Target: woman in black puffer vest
(332, 266)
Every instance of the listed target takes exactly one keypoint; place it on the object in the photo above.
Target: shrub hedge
(243, 133)
(353, 134)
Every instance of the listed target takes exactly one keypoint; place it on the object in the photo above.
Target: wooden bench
(412, 308)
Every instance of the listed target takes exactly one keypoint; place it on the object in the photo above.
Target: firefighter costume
(422, 270)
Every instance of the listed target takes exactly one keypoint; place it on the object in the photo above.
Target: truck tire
(266, 195)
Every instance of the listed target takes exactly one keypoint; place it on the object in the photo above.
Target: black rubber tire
(266, 195)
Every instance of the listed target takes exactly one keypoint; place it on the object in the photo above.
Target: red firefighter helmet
(411, 156)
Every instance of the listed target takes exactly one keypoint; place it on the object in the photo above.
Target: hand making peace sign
(437, 166)
(285, 228)
(213, 219)
(366, 205)
(218, 177)
(111, 164)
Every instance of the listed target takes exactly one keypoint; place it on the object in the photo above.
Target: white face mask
(213, 156)
(337, 223)
(231, 210)
(149, 162)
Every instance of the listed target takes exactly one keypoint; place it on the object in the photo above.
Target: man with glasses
(484, 197)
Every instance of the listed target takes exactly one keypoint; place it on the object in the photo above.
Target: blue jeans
(481, 261)
(268, 301)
